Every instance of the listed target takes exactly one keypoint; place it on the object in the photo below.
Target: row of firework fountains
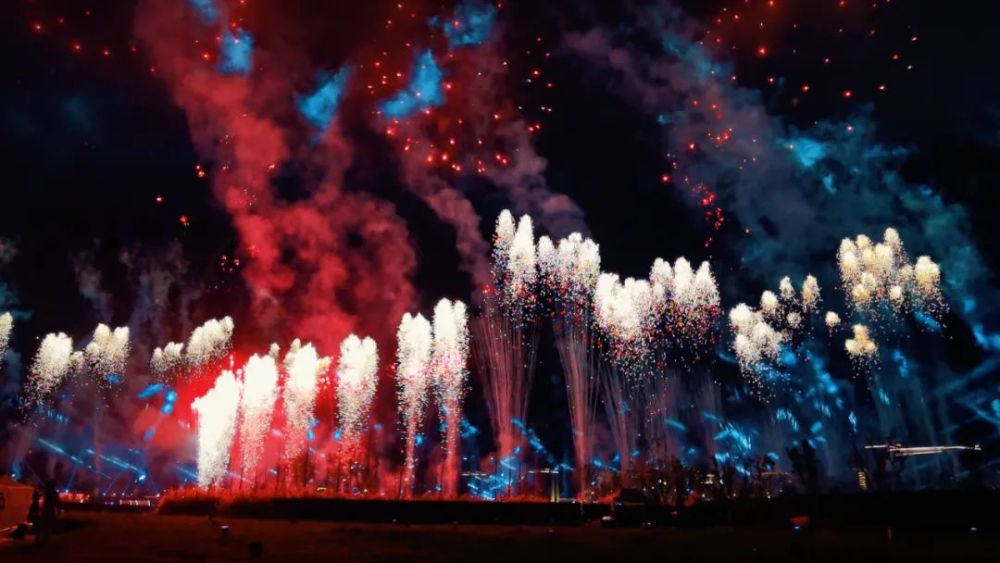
(616, 339)
(241, 404)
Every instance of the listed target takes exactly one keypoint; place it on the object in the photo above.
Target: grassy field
(151, 537)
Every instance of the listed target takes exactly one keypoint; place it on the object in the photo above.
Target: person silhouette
(34, 512)
(49, 506)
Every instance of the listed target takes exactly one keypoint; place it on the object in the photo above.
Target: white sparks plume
(449, 358)
(210, 341)
(304, 366)
(357, 376)
(6, 326)
(259, 391)
(810, 294)
(832, 319)
(168, 359)
(51, 366)
(216, 411)
(861, 347)
(413, 378)
(873, 274)
(107, 352)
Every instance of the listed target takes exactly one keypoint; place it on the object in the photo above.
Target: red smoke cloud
(478, 131)
(321, 266)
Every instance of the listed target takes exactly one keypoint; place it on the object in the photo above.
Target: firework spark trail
(507, 331)
(649, 324)
(104, 359)
(569, 275)
(624, 413)
(624, 312)
(108, 351)
(670, 415)
(357, 377)
(217, 412)
(6, 326)
(413, 378)
(258, 393)
(303, 366)
(505, 354)
(209, 342)
(53, 362)
(686, 311)
(449, 359)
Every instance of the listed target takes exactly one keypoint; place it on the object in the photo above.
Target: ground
(151, 537)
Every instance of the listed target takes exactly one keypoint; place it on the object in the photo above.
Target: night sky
(114, 177)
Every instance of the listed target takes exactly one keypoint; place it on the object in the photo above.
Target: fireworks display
(357, 375)
(217, 413)
(413, 380)
(449, 359)
(861, 346)
(689, 300)
(756, 341)
(258, 393)
(650, 326)
(760, 336)
(6, 326)
(879, 274)
(52, 364)
(569, 272)
(624, 311)
(507, 331)
(832, 320)
(810, 294)
(209, 342)
(108, 350)
(168, 359)
(675, 309)
(303, 367)
(330, 190)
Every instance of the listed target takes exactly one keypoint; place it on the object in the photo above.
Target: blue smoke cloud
(236, 52)
(423, 92)
(806, 151)
(207, 10)
(798, 192)
(471, 24)
(319, 107)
